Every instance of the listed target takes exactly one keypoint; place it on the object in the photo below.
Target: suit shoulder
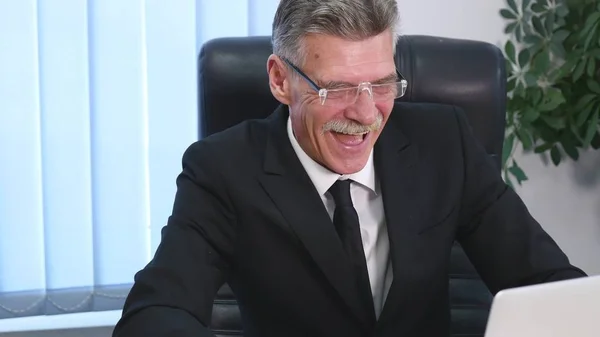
(425, 111)
(230, 145)
(425, 118)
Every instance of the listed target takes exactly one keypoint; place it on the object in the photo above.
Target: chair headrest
(233, 81)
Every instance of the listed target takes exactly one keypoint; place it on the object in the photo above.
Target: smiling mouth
(350, 139)
(362, 134)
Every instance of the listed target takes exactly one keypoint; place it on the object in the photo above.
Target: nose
(363, 110)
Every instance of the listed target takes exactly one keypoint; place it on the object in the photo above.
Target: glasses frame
(322, 92)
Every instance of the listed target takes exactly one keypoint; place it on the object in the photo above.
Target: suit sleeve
(507, 246)
(173, 295)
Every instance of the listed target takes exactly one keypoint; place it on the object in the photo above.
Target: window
(97, 105)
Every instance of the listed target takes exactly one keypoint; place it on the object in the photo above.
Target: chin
(347, 166)
(347, 157)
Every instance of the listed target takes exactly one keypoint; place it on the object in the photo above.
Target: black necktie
(345, 220)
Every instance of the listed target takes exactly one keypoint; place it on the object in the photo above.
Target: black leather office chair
(468, 74)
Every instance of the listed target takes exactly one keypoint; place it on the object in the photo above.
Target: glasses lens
(339, 97)
(347, 96)
(384, 92)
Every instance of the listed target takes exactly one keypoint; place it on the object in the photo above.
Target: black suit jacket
(247, 213)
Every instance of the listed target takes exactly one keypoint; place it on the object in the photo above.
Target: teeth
(355, 134)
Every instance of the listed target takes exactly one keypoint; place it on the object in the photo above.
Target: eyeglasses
(344, 97)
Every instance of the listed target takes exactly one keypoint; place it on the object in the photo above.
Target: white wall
(469, 19)
(564, 199)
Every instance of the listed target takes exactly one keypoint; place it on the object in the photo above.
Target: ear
(279, 82)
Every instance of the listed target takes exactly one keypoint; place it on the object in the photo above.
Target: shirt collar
(322, 177)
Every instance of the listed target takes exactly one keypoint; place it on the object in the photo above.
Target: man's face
(341, 137)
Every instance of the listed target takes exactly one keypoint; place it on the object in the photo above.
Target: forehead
(333, 58)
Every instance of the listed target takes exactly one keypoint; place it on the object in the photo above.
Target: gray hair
(354, 20)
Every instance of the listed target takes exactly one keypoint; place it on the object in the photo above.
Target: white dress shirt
(367, 200)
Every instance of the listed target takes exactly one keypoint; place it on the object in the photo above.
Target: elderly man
(335, 216)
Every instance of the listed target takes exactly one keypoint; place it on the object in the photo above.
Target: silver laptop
(559, 309)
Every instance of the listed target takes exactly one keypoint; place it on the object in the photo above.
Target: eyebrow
(393, 77)
(341, 84)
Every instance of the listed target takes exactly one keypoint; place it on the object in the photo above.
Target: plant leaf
(560, 35)
(576, 133)
(510, 85)
(525, 137)
(508, 181)
(596, 52)
(584, 101)
(596, 141)
(588, 39)
(566, 68)
(591, 67)
(517, 172)
(541, 63)
(589, 23)
(533, 39)
(507, 148)
(558, 50)
(536, 96)
(537, 8)
(591, 128)
(511, 27)
(543, 148)
(525, 5)
(530, 80)
(505, 13)
(593, 85)
(509, 66)
(537, 25)
(578, 72)
(571, 150)
(526, 23)
(513, 6)
(519, 89)
(555, 155)
(551, 100)
(530, 114)
(568, 142)
(546, 133)
(562, 10)
(519, 33)
(557, 123)
(523, 58)
(583, 115)
(550, 20)
(509, 49)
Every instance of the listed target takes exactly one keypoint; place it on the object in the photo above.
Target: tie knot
(340, 191)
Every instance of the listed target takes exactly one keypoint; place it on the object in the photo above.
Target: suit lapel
(292, 191)
(396, 166)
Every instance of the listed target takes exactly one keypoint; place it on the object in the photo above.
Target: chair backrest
(468, 74)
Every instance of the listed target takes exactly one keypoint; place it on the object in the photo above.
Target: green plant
(553, 68)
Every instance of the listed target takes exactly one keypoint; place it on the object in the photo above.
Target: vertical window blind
(98, 101)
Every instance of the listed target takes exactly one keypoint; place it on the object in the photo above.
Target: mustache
(352, 127)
